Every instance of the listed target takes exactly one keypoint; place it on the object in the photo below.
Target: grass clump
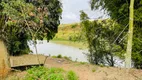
(72, 76)
(74, 25)
(54, 56)
(83, 63)
(59, 56)
(42, 73)
(101, 65)
(67, 58)
(94, 70)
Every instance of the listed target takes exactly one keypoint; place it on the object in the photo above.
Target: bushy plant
(54, 56)
(42, 73)
(102, 38)
(116, 10)
(24, 20)
(72, 76)
(59, 56)
(67, 58)
(74, 26)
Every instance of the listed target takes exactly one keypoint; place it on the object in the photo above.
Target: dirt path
(91, 72)
(87, 71)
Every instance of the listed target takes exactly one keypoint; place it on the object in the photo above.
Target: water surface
(53, 49)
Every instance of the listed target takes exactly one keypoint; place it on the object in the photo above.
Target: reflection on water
(76, 54)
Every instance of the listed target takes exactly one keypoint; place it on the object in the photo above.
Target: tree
(29, 19)
(118, 10)
(102, 44)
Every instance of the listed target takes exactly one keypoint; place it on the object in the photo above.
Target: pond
(48, 48)
(76, 54)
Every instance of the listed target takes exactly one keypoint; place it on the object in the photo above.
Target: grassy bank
(68, 32)
(70, 35)
(81, 45)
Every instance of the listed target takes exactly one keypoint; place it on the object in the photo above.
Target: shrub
(59, 56)
(74, 26)
(72, 76)
(94, 70)
(67, 58)
(42, 73)
(83, 63)
(54, 56)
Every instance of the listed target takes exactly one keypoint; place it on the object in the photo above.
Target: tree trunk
(130, 36)
(4, 61)
(34, 40)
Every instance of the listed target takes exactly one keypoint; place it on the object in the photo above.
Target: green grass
(70, 35)
(72, 76)
(80, 45)
(60, 56)
(81, 63)
(42, 73)
(67, 58)
(93, 69)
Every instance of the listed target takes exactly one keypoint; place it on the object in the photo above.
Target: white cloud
(70, 16)
(71, 11)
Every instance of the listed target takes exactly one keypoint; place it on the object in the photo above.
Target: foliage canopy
(103, 41)
(25, 20)
(118, 10)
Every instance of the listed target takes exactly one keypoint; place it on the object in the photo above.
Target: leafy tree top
(38, 17)
(119, 9)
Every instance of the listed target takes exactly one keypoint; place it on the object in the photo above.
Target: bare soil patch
(93, 72)
(87, 71)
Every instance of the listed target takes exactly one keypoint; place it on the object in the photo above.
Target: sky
(72, 8)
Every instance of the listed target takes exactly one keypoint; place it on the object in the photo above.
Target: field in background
(71, 35)
(68, 32)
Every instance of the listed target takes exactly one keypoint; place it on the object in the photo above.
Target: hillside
(71, 35)
(68, 31)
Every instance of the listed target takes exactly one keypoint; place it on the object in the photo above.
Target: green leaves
(49, 74)
(83, 16)
(32, 20)
(119, 10)
(72, 76)
(101, 37)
